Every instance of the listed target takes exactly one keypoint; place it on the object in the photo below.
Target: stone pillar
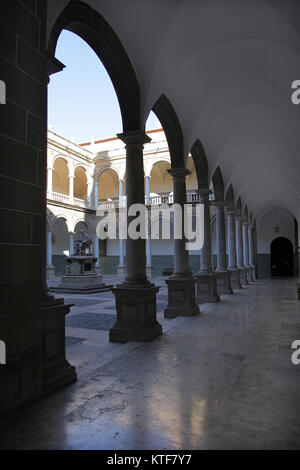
(231, 237)
(71, 188)
(223, 275)
(96, 254)
(96, 195)
(148, 199)
(71, 243)
(50, 267)
(246, 250)
(206, 278)
(89, 185)
(251, 252)
(49, 181)
(135, 296)
(181, 285)
(240, 251)
(149, 266)
(121, 268)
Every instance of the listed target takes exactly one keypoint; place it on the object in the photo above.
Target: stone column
(181, 285)
(49, 181)
(96, 195)
(135, 296)
(121, 268)
(148, 199)
(251, 252)
(223, 275)
(246, 250)
(96, 254)
(206, 278)
(71, 188)
(50, 267)
(240, 251)
(71, 243)
(89, 185)
(231, 237)
(149, 266)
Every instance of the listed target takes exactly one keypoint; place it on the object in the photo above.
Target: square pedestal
(243, 276)
(223, 282)
(206, 285)
(56, 370)
(248, 274)
(235, 278)
(253, 274)
(181, 297)
(136, 313)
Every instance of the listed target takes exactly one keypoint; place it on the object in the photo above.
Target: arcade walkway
(223, 379)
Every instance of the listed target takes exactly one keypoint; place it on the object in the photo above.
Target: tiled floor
(223, 379)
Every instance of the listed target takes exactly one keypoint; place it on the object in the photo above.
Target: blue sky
(82, 100)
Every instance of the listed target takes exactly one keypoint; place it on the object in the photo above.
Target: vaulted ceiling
(227, 68)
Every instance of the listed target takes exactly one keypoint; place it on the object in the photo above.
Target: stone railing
(65, 199)
(191, 198)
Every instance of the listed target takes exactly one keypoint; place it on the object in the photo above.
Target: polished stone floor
(221, 380)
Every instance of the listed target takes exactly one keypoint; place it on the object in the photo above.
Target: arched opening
(60, 245)
(108, 185)
(282, 258)
(80, 183)
(60, 176)
(161, 183)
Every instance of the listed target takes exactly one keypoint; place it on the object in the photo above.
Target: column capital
(71, 175)
(230, 212)
(218, 203)
(134, 137)
(179, 172)
(204, 195)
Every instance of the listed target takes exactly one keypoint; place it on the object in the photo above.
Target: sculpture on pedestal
(81, 276)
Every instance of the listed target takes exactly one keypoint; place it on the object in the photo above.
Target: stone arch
(108, 184)
(172, 129)
(218, 185)
(238, 207)
(245, 214)
(230, 198)
(89, 25)
(60, 177)
(191, 179)
(61, 227)
(201, 164)
(164, 181)
(80, 182)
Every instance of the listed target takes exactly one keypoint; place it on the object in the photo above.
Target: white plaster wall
(266, 233)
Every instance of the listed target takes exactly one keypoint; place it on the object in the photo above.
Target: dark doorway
(282, 257)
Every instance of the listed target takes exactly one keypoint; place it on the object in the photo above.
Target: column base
(56, 370)
(224, 282)
(121, 270)
(206, 285)
(243, 276)
(253, 274)
(248, 274)
(136, 313)
(149, 271)
(181, 297)
(235, 278)
(50, 272)
(98, 269)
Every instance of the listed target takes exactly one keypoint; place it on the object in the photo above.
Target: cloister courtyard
(221, 379)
